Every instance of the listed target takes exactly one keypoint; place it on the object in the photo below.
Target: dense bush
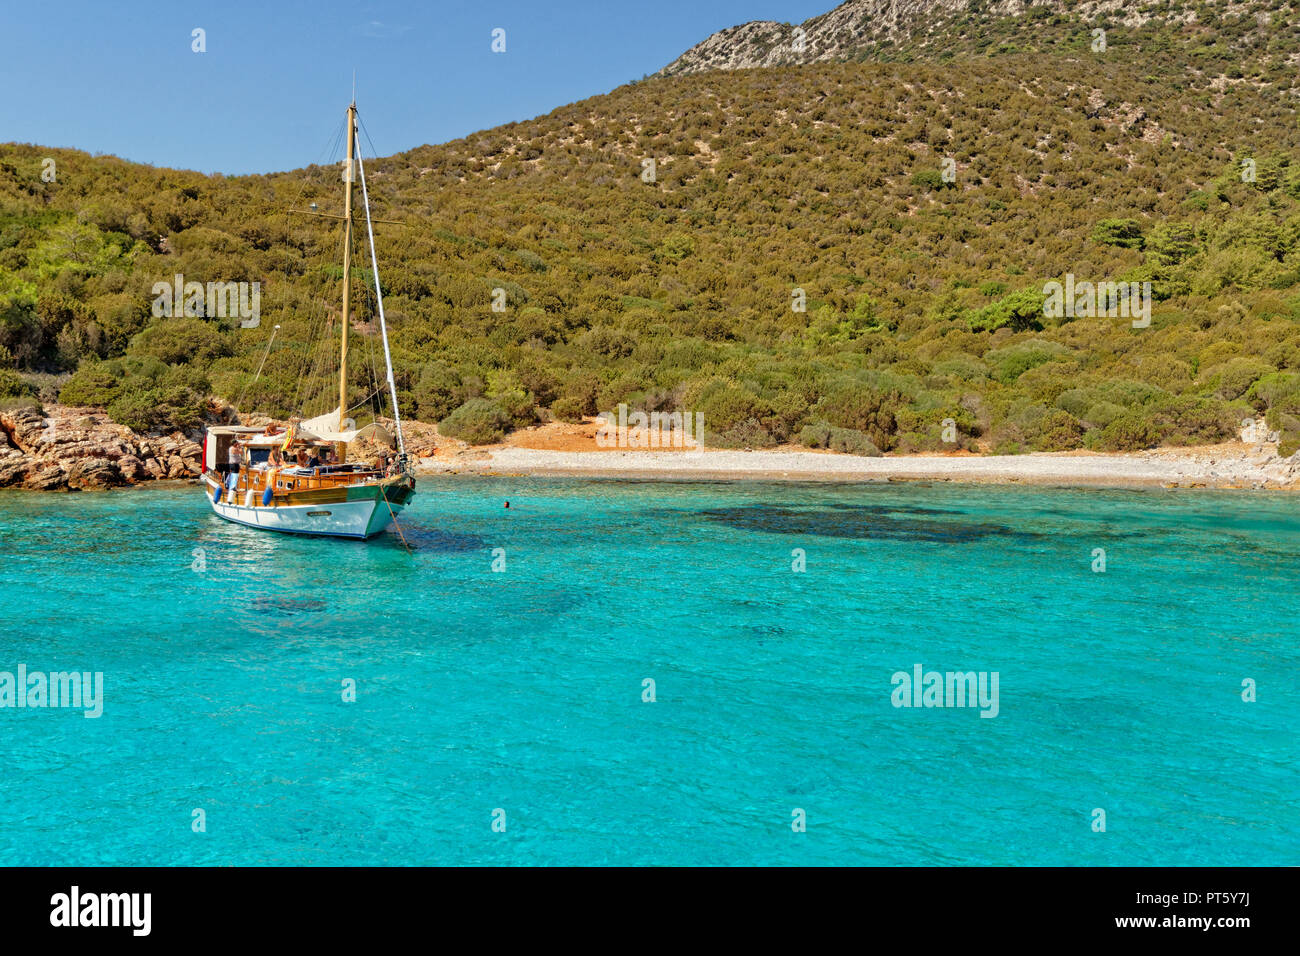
(568, 409)
(141, 393)
(480, 421)
(1059, 431)
(181, 340)
(863, 409)
(13, 386)
(749, 433)
(438, 392)
(96, 383)
(847, 440)
(1129, 432)
(1020, 312)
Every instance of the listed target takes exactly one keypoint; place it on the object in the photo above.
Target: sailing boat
(299, 479)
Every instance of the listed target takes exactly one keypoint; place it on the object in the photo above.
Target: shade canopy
(326, 428)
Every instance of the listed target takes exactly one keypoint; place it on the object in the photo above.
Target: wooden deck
(317, 486)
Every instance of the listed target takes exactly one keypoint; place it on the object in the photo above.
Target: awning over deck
(326, 428)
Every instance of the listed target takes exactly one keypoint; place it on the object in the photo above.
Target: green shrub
(1288, 428)
(1076, 401)
(749, 433)
(94, 384)
(169, 403)
(13, 386)
(816, 435)
(1169, 245)
(23, 401)
(607, 341)
(152, 396)
(1059, 431)
(568, 409)
(962, 368)
(180, 340)
(1010, 363)
(1103, 413)
(728, 406)
(1188, 420)
(1019, 312)
(1119, 232)
(850, 441)
(928, 179)
(1278, 390)
(438, 392)
(581, 389)
(518, 405)
(864, 409)
(1128, 393)
(480, 421)
(1129, 432)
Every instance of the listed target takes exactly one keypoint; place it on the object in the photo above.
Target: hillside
(823, 183)
(1265, 31)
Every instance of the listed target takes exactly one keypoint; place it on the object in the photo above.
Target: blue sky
(270, 90)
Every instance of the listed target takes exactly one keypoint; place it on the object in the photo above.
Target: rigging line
(393, 515)
(261, 365)
(371, 367)
(331, 148)
(332, 357)
(379, 301)
(307, 357)
(373, 151)
(366, 399)
(362, 123)
(313, 361)
(316, 355)
(318, 321)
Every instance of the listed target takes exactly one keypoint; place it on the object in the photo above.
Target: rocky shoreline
(68, 449)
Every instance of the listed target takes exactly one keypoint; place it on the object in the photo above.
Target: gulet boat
(299, 480)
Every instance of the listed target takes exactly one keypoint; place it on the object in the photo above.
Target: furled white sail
(326, 428)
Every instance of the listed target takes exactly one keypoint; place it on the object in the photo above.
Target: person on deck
(234, 457)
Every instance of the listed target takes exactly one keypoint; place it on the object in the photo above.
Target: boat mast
(348, 177)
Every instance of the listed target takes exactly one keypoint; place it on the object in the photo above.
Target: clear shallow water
(522, 690)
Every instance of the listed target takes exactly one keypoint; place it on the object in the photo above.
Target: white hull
(346, 519)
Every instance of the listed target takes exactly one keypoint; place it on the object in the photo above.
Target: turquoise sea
(516, 695)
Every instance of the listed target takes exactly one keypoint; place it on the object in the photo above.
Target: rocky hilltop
(904, 29)
(67, 448)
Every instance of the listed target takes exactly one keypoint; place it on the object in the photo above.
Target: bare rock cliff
(74, 448)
